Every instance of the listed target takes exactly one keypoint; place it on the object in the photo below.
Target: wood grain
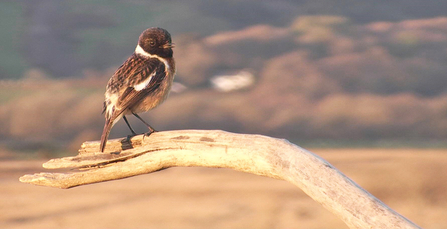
(257, 154)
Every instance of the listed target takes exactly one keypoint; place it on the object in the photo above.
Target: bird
(141, 83)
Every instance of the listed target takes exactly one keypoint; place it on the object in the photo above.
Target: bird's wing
(139, 78)
(134, 79)
(150, 77)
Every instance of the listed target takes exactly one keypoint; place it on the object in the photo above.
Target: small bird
(142, 82)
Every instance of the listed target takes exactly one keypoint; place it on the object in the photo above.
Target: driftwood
(261, 155)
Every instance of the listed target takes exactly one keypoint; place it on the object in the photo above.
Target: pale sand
(413, 182)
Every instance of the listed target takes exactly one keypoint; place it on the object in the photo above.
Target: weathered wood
(255, 154)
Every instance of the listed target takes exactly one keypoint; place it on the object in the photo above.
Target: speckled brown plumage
(142, 82)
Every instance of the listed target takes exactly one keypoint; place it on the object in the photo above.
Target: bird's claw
(130, 136)
(147, 134)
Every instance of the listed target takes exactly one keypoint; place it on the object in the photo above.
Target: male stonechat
(142, 82)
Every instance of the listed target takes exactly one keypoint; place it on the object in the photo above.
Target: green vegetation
(12, 62)
(65, 37)
(321, 80)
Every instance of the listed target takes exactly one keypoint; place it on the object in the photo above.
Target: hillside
(322, 77)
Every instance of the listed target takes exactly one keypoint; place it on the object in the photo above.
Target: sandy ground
(412, 182)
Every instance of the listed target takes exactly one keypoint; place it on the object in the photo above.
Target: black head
(156, 41)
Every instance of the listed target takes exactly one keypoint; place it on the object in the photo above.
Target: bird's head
(156, 41)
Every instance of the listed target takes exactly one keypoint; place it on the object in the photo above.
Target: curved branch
(255, 154)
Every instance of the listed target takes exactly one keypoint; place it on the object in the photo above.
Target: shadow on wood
(257, 154)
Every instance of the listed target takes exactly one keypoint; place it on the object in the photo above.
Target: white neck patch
(140, 51)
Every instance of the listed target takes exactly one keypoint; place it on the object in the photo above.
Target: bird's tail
(105, 133)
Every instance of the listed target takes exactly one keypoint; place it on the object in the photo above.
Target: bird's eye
(151, 42)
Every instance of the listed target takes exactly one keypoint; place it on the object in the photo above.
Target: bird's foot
(130, 136)
(147, 134)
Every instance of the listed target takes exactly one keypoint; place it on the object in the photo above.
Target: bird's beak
(169, 45)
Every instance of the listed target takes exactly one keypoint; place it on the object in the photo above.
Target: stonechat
(142, 82)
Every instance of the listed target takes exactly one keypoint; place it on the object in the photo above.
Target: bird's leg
(151, 130)
(128, 124)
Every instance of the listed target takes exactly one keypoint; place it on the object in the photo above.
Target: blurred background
(315, 72)
(322, 74)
